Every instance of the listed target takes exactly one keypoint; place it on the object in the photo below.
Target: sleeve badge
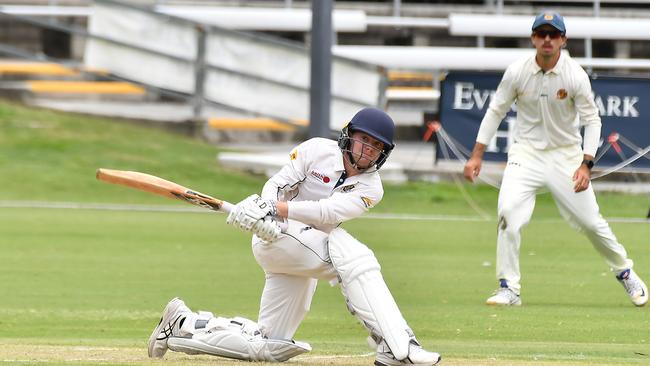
(367, 202)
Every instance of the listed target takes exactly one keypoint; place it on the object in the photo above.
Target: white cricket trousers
(527, 171)
(293, 265)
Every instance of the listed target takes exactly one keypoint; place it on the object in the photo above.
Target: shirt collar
(558, 65)
(338, 162)
(359, 178)
(535, 69)
(556, 69)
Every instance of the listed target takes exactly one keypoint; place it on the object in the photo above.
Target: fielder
(323, 185)
(554, 100)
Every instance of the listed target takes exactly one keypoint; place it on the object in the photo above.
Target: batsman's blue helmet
(375, 123)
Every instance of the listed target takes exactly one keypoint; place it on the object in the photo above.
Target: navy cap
(553, 19)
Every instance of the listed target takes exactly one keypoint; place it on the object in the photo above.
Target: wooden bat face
(150, 183)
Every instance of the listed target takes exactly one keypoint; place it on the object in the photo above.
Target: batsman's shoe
(417, 356)
(504, 296)
(634, 286)
(169, 325)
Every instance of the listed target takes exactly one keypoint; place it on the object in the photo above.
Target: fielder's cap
(553, 19)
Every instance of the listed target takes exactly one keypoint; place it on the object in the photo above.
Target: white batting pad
(237, 338)
(367, 294)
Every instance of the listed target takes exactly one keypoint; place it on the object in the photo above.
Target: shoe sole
(645, 301)
(377, 363)
(491, 303)
(169, 311)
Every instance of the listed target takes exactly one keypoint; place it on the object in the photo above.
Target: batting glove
(267, 229)
(247, 212)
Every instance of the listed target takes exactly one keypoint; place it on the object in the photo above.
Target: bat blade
(152, 184)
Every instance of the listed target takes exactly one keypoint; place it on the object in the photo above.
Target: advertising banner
(623, 103)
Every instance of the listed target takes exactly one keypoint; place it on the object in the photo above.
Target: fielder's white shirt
(552, 106)
(308, 183)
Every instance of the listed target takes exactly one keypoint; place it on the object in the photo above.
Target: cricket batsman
(324, 184)
(554, 101)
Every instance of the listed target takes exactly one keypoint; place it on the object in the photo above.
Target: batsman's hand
(267, 229)
(247, 212)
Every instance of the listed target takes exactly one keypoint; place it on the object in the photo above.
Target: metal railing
(199, 63)
(197, 99)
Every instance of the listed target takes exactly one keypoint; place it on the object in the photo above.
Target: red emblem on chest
(320, 176)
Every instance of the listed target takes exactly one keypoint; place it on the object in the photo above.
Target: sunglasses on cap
(553, 34)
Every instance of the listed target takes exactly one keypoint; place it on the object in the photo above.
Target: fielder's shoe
(634, 286)
(169, 325)
(417, 356)
(504, 296)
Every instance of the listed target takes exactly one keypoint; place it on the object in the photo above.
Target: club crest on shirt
(320, 176)
(561, 94)
(349, 188)
(367, 201)
(293, 155)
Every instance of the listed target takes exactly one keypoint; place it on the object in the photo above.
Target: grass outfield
(87, 286)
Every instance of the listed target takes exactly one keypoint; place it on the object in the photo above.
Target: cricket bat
(152, 184)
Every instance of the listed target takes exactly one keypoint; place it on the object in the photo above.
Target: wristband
(274, 208)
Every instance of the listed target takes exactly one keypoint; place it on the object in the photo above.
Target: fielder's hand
(267, 229)
(472, 169)
(247, 212)
(581, 178)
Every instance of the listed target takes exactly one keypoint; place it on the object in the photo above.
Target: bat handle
(227, 207)
(283, 226)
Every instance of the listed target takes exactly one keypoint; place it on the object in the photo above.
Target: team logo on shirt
(561, 94)
(367, 201)
(293, 155)
(349, 188)
(320, 176)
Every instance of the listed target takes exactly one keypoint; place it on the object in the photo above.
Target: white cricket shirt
(308, 184)
(551, 106)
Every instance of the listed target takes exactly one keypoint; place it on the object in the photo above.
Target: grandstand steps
(154, 111)
(25, 80)
(22, 70)
(73, 89)
(215, 126)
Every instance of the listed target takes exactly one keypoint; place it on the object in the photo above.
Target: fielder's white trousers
(293, 265)
(529, 170)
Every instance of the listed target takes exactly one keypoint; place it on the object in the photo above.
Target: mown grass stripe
(174, 208)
